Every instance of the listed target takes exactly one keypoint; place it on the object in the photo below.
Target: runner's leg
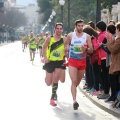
(48, 78)
(40, 52)
(56, 77)
(73, 76)
(33, 54)
(30, 54)
(80, 74)
(62, 77)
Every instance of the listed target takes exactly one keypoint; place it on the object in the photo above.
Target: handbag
(94, 57)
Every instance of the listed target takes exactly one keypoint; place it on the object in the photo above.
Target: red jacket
(96, 45)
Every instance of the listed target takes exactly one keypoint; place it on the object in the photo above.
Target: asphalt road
(25, 96)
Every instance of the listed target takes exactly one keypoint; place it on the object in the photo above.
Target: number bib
(77, 49)
(32, 43)
(57, 54)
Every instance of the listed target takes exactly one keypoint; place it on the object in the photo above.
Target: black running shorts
(50, 67)
(33, 49)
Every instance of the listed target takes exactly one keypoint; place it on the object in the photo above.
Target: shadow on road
(64, 111)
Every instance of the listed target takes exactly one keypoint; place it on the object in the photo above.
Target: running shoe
(75, 105)
(53, 103)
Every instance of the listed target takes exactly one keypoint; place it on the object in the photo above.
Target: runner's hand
(84, 48)
(45, 60)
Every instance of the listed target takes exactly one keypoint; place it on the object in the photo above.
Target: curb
(100, 103)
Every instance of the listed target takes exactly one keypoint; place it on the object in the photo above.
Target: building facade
(106, 16)
(13, 2)
(32, 17)
(31, 13)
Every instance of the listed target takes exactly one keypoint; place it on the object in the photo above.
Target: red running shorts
(79, 64)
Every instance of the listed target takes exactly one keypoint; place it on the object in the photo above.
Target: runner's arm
(66, 43)
(45, 45)
(35, 39)
(89, 49)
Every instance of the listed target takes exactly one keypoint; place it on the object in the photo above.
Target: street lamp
(68, 16)
(45, 25)
(61, 2)
(7, 32)
(98, 11)
(53, 21)
(53, 13)
(3, 31)
(51, 16)
(49, 20)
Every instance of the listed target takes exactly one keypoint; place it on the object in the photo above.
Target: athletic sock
(74, 101)
(54, 89)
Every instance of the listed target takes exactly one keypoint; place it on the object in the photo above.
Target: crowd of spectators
(103, 65)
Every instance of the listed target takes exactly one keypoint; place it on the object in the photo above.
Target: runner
(32, 46)
(80, 44)
(24, 42)
(37, 43)
(40, 43)
(47, 34)
(54, 59)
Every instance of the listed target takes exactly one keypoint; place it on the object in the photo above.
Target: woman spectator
(101, 28)
(89, 74)
(114, 47)
(111, 22)
(96, 67)
(92, 24)
(112, 78)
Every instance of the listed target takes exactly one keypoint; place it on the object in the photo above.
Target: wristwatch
(86, 49)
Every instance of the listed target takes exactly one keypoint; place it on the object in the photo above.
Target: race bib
(57, 54)
(77, 49)
(32, 43)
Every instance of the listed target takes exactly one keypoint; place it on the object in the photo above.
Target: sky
(25, 2)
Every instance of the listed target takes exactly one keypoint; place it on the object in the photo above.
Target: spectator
(96, 67)
(92, 24)
(114, 48)
(112, 78)
(101, 28)
(89, 74)
(111, 22)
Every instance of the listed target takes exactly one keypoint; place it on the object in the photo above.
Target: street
(25, 96)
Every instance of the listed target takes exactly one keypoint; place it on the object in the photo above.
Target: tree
(78, 10)
(45, 7)
(15, 18)
(84, 9)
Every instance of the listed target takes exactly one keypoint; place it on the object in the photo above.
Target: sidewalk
(100, 102)
(1, 44)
